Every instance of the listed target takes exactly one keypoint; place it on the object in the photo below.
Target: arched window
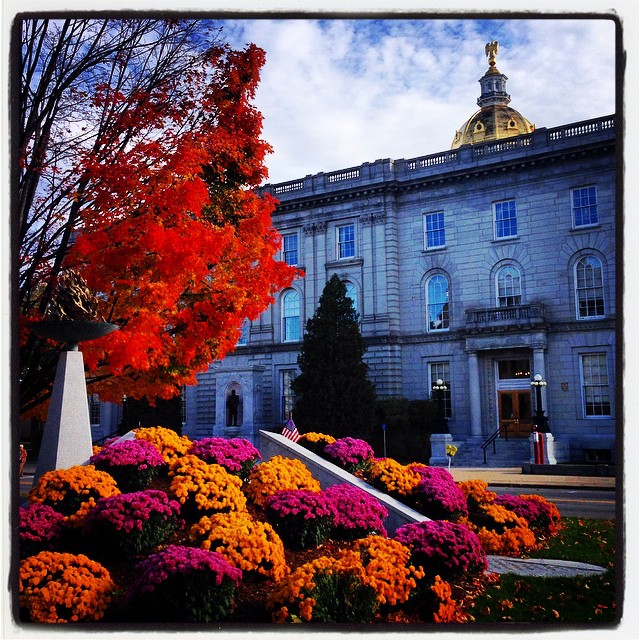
(291, 316)
(352, 293)
(508, 287)
(438, 303)
(589, 288)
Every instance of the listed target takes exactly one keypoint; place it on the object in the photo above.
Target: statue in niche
(233, 402)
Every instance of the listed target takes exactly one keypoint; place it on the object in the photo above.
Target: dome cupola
(495, 120)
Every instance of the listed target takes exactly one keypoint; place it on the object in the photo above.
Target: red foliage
(174, 239)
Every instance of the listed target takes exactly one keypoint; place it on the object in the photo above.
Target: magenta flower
(182, 584)
(351, 454)
(443, 548)
(236, 455)
(302, 518)
(438, 496)
(132, 523)
(40, 528)
(358, 514)
(132, 463)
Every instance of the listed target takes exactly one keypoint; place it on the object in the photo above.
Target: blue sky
(337, 93)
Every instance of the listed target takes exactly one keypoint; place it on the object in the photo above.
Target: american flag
(291, 431)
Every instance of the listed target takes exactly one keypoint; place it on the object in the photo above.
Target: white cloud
(337, 93)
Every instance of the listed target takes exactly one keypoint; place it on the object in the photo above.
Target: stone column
(474, 396)
(67, 435)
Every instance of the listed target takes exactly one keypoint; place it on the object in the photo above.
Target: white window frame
(95, 410)
(601, 384)
(286, 252)
(585, 194)
(352, 294)
(286, 376)
(446, 306)
(287, 328)
(438, 231)
(441, 369)
(498, 223)
(500, 271)
(342, 244)
(592, 288)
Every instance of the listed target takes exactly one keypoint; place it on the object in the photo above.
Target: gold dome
(495, 120)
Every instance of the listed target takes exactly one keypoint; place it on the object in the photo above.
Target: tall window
(346, 241)
(94, 409)
(506, 220)
(352, 293)
(290, 248)
(244, 332)
(291, 316)
(508, 287)
(287, 396)
(595, 385)
(437, 303)
(434, 230)
(584, 206)
(440, 371)
(589, 288)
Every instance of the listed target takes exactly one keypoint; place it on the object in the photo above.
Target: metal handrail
(102, 440)
(492, 439)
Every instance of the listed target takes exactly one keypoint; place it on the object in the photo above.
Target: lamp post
(438, 391)
(540, 420)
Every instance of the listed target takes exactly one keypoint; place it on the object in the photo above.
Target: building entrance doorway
(515, 413)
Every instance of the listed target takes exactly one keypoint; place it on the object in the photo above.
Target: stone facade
(482, 265)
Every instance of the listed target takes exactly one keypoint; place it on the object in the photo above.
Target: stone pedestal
(542, 448)
(439, 442)
(66, 441)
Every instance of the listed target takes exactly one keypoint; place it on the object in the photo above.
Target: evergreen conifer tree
(333, 393)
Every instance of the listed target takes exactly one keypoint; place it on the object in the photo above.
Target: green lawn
(579, 600)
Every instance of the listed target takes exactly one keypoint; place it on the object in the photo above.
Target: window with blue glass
(291, 316)
(584, 206)
(506, 219)
(589, 288)
(434, 235)
(290, 248)
(438, 303)
(346, 241)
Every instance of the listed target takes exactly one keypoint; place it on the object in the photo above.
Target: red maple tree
(170, 235)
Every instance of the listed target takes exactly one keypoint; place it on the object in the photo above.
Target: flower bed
(266, 545)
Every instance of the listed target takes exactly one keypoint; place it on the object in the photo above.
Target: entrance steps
(509, 453)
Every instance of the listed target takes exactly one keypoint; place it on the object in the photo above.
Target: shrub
(166, 441)
(542, 516)
(388, 569)
(349, 588)
(477, 493)
(443, 548)
(302, 518)
(202, 487)
(277, 474)
(349, 453)
(73, 492)
(182, 584)
(40, 527)
(61, 587)
(396, 479)
(357, 513)
(315, 442)
(437, 495)
(132, 523)
(248, 544)
(236, 455)
(327, 589)
(132, 463)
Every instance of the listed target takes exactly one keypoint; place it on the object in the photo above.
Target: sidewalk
(513, 477)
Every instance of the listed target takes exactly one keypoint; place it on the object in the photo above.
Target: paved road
(584, 503)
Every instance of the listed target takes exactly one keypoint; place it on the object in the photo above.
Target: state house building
(482, 265)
